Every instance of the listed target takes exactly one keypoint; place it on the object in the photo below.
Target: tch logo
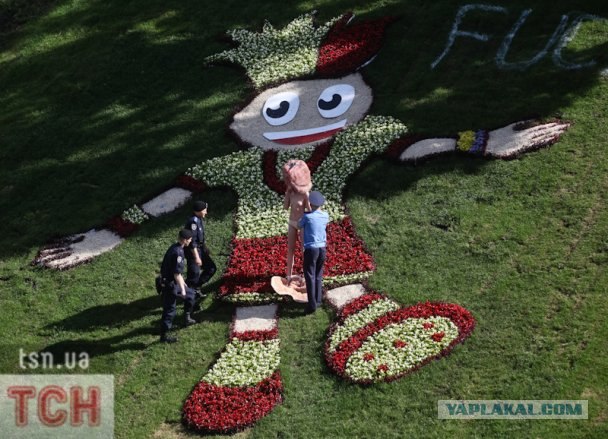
(66, 406)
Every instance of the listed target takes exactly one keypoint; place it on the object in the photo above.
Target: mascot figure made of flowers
(311, 105)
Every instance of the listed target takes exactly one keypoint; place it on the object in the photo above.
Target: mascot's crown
(301, 49)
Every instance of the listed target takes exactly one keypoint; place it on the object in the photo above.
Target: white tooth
(298, 133)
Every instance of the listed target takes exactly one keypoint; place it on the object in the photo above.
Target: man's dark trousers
(169, 300)
(314, 259)
(198, 276)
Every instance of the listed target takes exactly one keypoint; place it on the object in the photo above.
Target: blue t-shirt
(313, 225)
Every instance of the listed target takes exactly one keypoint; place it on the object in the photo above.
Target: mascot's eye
(281, 108)
(335, 100)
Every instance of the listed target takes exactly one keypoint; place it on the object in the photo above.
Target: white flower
(245, 363)
(419, 345)
(134, 215)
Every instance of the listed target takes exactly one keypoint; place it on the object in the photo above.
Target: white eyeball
(281, 108)
(335, 100)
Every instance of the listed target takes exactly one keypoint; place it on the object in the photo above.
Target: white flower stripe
(346, 278)
(245, 363)
(254, 298)
(360, 319)
(389, 360)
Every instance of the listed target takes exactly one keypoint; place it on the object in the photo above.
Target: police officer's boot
(189, 320)
(164, 338)
(198, 298)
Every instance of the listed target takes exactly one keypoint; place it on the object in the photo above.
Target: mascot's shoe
(375, 339)
(244, 384)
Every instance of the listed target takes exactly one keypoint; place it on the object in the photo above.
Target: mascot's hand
(521, 137)
(77, 249)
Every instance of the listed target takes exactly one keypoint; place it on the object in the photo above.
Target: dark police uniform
(198, 276)
(173, 263)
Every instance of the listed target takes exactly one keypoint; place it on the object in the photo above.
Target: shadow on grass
(116, 315)
(117, 111)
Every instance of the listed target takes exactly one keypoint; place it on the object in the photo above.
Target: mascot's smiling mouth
(305, 136)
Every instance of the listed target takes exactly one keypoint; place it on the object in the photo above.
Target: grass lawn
(104, 103)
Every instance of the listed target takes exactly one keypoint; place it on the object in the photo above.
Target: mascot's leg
(244, 384)
(376, 339)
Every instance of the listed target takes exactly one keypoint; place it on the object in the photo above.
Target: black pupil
(279, 112)
(330, 105)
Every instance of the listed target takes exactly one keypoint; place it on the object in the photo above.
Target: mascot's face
(303, 113)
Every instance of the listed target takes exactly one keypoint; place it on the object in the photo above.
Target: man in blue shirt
(314, 237)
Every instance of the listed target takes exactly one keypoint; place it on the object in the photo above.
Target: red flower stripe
(223, 409)
(459, 316)
(254, 261)
(190, 183)
(122, 227)
(271, 334)
(346, 48)
(319, 155)
(357, 305)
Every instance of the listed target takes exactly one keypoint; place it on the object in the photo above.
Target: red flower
(190, 183)
(121, 226)
(382, 368)
(257, 335)
(358, 304)
(399, 344)
(457, 314)
(269, 166)
(438, 336)
(346, 48)
(254, 261)
(368, 356)
(428, 325)
(223, 409)
(398, 146)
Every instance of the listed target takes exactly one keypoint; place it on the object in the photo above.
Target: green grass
(104, 103)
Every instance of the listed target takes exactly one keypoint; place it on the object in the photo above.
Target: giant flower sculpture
(312, 104)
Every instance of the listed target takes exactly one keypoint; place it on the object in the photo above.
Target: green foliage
(104, 103)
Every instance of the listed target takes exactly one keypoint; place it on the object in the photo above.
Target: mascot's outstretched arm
(504, 143)
(77, 249)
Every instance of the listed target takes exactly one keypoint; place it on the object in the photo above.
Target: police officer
(200, 265)
(173, 285)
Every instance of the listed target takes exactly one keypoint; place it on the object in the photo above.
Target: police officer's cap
(199, 206)
(316, 198)
(185, 234)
